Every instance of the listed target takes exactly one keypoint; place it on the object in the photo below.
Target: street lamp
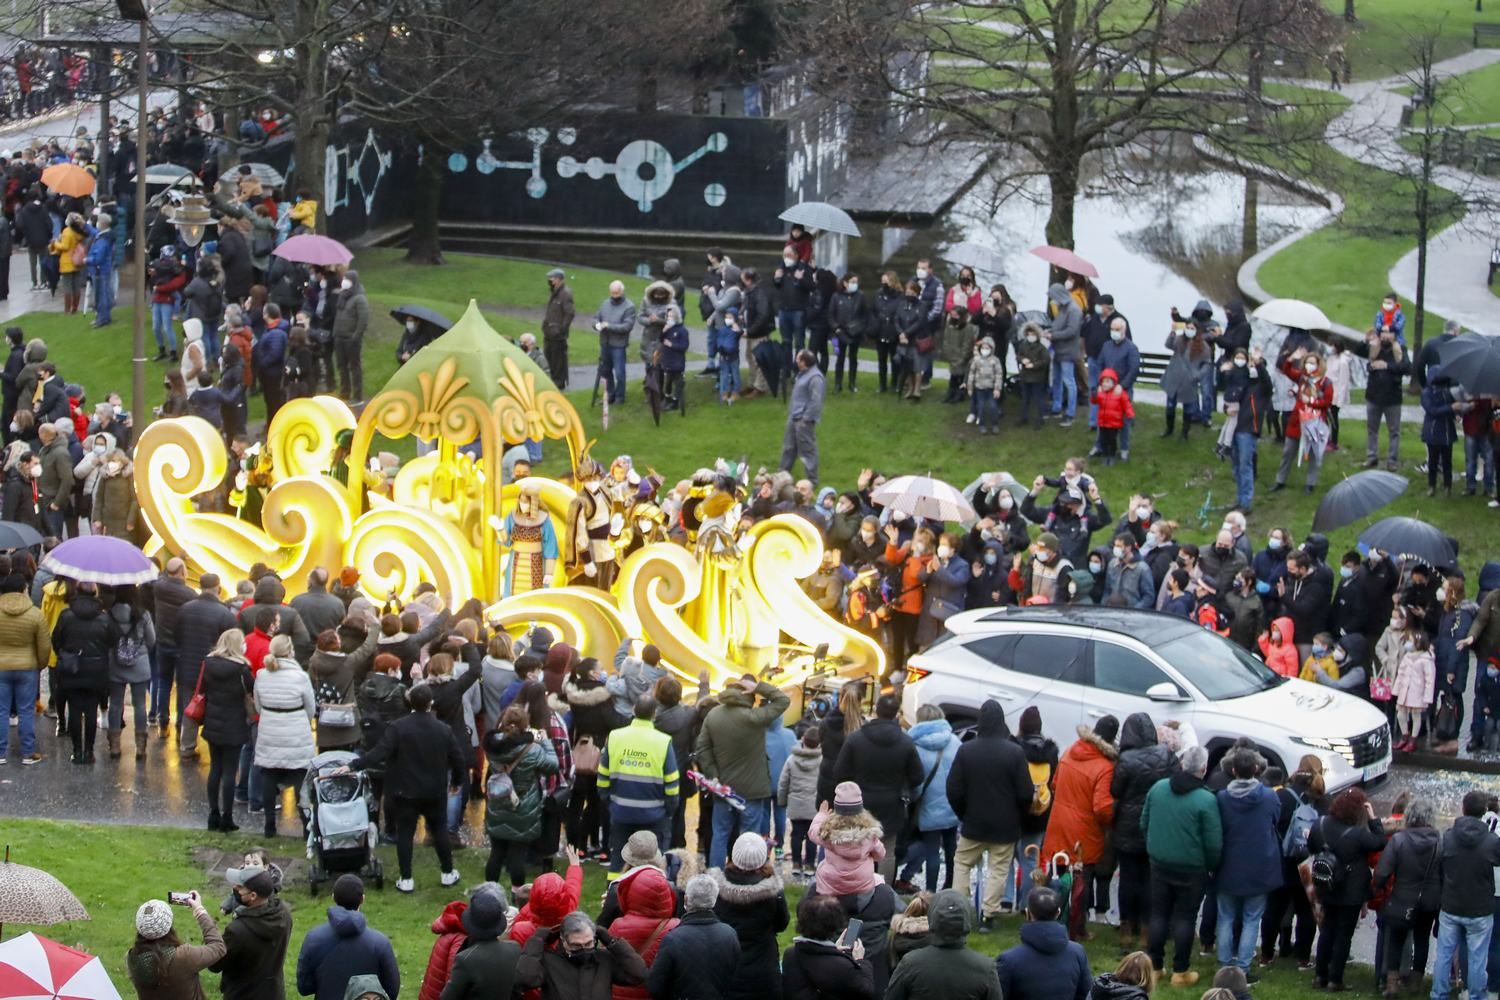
(192, 218)
(136, 10)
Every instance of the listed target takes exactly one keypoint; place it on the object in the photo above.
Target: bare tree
(1061, 80)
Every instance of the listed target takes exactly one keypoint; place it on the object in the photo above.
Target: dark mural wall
(633, 172)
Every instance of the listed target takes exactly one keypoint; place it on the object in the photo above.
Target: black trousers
(272, 781)
(511, 855)
(848, 351)
(1440, 456)
(1334, 939)
(903, 638)
(885, 358)
(1174, 905)
(555, 349)
(584, 813)
(1396, 932)
(434, 812)
(82, 707)
(1288, 918)
(223, 761)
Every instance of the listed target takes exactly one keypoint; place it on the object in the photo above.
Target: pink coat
(851, 847)
(1415, 675)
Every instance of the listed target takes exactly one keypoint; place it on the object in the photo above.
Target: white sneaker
(450, 878)
(405, 885)
(971, 418)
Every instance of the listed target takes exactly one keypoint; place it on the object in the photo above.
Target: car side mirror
(1165, 691)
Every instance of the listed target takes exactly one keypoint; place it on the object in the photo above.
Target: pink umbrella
(1065, 259)
(312, 249)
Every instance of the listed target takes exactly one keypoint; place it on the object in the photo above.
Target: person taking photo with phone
(161, 967)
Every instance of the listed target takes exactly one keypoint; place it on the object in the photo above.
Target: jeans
(1190, 413)
(18, 694)
(753, 818)
(54, 520)
(1064, 388)
(210, 343)
(729, 375)
(223, 760)
(1174, 904)
(1247, 910)
(1245, 444)
(793, 326)
(924, 852)
(456, 802)
(1094, 368)
(431, 811)
(104, 293)
(163, 674)
(1475, 932)
(1021, 869)
(612, 359)
(1476, 450)
(1374, 414)
(987, 408)
(1207, 396)
(161, 325)
(117, 705)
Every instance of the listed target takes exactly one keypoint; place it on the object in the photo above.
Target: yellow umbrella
(68, 179)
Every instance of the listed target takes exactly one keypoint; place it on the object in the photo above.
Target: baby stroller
(341, 832)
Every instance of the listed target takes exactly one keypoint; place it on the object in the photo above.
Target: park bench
(1486, 152)
(1452, 146)
(1490, 33)
(1152, 367)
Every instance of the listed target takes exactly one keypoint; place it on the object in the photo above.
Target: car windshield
(1218, 668)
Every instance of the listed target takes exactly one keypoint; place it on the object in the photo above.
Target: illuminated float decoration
(724, 605)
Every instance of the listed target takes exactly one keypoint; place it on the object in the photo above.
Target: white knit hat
(749, 852)
(153, 920)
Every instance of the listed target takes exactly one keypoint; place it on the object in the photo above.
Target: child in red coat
(1114, 409)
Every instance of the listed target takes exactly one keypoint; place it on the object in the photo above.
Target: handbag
(197, 706)
(1380, 689)
(585, 756)
(923, 345)
(1409, 914)
(68, 663)
(332, 711)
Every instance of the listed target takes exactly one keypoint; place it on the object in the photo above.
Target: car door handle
(1097, 713)
(1002, 695)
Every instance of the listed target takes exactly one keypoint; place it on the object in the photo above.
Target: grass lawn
(1471, 98)
(113, 869)
(1382, 39)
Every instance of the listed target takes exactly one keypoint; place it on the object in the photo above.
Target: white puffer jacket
(284, 697)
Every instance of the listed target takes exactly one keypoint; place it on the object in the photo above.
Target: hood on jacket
(1083, 579)
(269, 590)
(363, 985)
(948, 918)
(658, 286)
(910, 926)
(1182, 783)
(1058, 295)
(857, 828)
(346, 923)
(192, 329)
(1244, 789)
(450, 921)
(1284, 626)
(1470, 832)
(267, 921)
(1235, 313)
(549, 900)
(934, 734)
(1316, 545)
(745, 893)
(1038, 749)
(992, 720)
(355, 287)
(1046, 936)
(1107, 987)
(584, 697)
(645, 892)
(1356, 652)
(987, 342)
(1111, 374)
(1138, 731)
(85, 607)
(798, 750)
(1100, 745)
(15, 605)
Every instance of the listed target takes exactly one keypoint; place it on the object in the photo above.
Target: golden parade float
(586, 557)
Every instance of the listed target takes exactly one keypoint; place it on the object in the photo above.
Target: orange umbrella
(68, 179)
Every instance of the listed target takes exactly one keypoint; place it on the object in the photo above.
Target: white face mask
(919, 547)
(1031, 338)
(1117, 335)
(1006, 502)
(643, 525)
(921, 274)
(1068, 284)
(1239, 362)
(1190, 332)
(868, 534)
(944, 551)
(100, 449)
(36, 472)
(411, 326)
(985, 352)
(853, 286)
(346, 284)
(1142, 513)
(113, 468)
(788, 261)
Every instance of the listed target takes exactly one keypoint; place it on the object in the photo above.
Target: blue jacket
(936, 745)
(1181, 605)
(1044, 966)
(1251, 864)
(1132, 582)
(779, 743)
(342, 948)
(102, 254)
(1438, 426)
(269, 352)
(1124, 358)
(1452, 627)
(674, 346)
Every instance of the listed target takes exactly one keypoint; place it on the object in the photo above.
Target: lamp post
(192, 218)
(135, 10)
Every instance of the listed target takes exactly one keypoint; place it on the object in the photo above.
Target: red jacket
(646, 908)
(80, 418)
(973, 302)
(163, 291)
(451, 935)
(1320, 403)
(1281, 657)
(1114, 406)
(1082, 808)
(913, 577)
(552, 898)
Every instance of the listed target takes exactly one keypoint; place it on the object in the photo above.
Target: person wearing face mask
(965, 295)
(1160, 548)
(416, 335)
(932, 297)
(956, 344)
(1389, 319)
(1307, 430)
(866, 546)
(1069, 520)
(1269, 563)
(613, 322)
(1413, 687)
(945, 591)
(912, 336)
(1119, 353)
(1127, 580)
(885, 306)
(1485, 731)
(997, 319)
(1045, 574)
(985, 379)
(349, 327)
(577, 960)
(1222, 561)
(1247, 615)
(1351, 667)
(850, 317)
(794, 280)
(1066, 332)
(1388, 650)
(1191, 363)
(989, 577)
(1320, 659)
(1454, 622)
(915, 560)
(1389, 365)
(112, 497)
(1354, 603)
(1034, 362)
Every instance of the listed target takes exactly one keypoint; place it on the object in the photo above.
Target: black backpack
(1329, 873)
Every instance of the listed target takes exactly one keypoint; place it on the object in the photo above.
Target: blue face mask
(1273, 544)
(1492, 673)
(1346, 572)
(1320, 651)
(989, 558)
(1262, 587)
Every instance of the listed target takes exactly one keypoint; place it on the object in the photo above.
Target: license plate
(1377, 769)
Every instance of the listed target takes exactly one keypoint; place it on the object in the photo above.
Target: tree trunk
(1349, 11)
(310, 151)
(1250, 221)
(424, 245)
(311, 115)
(1063, 181)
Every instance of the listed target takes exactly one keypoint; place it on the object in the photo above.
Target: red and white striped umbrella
(38, 968)
(923, 496)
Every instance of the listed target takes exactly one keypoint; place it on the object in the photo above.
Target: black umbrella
(1408, 538)
(15, 535)
(1473, 361)
(1359, 495)
(422, 314)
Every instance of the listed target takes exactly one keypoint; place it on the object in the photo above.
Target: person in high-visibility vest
(638, 779)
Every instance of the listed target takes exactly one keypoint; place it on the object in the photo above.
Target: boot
(113, 735)
(1171, 423)
(140, 744)
(1392, 986)
(1186, 423)
(213, 819)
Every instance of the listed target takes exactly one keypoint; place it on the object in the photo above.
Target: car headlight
(1330, 745)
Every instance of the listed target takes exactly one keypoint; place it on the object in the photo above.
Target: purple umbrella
(100, 559)
(311, 249)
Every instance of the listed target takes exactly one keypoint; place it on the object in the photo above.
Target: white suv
(1077, 663)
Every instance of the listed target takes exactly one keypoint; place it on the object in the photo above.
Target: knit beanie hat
(153, 920)
(848, 799)
(348, 576)
(1107, 728)
(1048, 541)
(1031, 721)
(749, 852)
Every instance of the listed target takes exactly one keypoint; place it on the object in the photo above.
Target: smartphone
(180, 898)
(851, 933)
